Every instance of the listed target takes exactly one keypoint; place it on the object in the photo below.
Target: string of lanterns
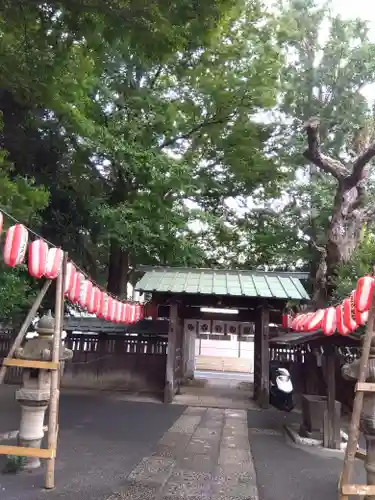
(46, 261)
(344, 318)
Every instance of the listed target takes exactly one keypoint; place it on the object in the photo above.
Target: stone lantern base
(31, 429)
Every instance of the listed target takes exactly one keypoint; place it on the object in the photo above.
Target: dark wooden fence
(135, 363)
(308, 377)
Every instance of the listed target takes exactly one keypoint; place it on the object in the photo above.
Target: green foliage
(123, 123)
(323, 77)
(135, 132)
(20, 197)
(361, 263)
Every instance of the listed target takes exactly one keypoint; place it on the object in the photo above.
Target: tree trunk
(118, 269)
(349, 212)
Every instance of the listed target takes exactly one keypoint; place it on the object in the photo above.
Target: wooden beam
(365, 387)
(217, 301)
(358, 489)
(31, 363)
(21, 451)
(244, 315)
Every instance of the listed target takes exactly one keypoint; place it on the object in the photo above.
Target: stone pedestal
(31, 429)
(313, 409)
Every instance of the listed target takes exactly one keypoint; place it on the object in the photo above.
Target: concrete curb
(315, 443)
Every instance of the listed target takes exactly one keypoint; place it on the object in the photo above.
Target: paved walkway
(102, 438)
(285, 471)
(205, 455)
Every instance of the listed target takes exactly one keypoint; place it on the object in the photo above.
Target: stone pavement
(205, 455)
(218, 394)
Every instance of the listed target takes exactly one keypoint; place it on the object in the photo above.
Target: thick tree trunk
(118, 269)
(348, 212)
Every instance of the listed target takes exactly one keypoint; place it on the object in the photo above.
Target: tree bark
(348, 211)
(118, 269)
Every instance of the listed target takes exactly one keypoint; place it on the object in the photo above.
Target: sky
(357, 8)
(362, 9)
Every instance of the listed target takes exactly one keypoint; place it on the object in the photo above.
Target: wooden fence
(309, 378)
(107, 362)
(138, 363)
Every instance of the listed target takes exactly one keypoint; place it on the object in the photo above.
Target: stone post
(34, 394)
(367, 421)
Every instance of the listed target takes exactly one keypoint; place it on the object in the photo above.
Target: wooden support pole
(25, 325)
(55, 376)
(331, 424)
(262, 357)
(170, 382)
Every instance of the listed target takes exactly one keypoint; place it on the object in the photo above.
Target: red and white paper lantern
(286, 320)
(132, 314)
(54, 263)
(124, 312)
(85, 293)
(107, 307)
(15, 245)
(315, 320)
(70, 276)
(37, 258)
(348, 315)
(305, 325)
(301, 322)
(364, 291)
(94, 303)
(103, 310)
(329, 321)
(360, 318)
(138, 312)
(341, 327)
(294, 322)
(118, 311)
(75, 292)
(110, 310)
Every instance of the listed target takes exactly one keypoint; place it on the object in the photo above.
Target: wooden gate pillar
(174, 368)
(170, 388)
(261, 356)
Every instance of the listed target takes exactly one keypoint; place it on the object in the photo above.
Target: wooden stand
(54, 366)
(345, 488)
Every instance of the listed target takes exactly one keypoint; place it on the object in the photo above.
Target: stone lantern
(367, 420)
(34, 393)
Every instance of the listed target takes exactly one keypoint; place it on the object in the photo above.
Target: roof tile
(220, 282)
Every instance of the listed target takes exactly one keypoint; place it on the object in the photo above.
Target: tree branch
(197, 128)
(358, 172)
(314, 154)
(155, 77)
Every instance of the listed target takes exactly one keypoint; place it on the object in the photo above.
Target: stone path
(221, 395)
(205, 455)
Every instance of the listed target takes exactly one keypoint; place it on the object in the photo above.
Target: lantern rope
(38, 236)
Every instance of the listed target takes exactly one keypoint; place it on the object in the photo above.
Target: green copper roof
(221, 282)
